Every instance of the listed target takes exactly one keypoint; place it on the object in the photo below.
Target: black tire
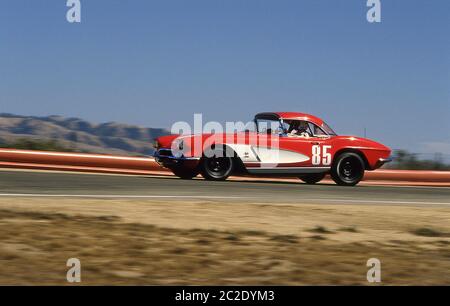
(312, 178)
(348, 169)
(218, 167)
(184, 173)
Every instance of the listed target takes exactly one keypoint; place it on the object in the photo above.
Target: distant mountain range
(80, 135)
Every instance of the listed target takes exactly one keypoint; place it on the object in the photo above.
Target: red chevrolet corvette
(282, 144)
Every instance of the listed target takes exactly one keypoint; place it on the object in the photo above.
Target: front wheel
(348, 169)
(312, 178)
(217, 167)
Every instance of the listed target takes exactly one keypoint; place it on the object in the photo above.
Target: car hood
(362, 142)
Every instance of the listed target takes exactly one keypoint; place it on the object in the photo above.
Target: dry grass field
(150, 242)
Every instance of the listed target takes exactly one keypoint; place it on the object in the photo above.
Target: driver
(299, 129)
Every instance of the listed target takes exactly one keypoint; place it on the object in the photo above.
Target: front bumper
(165, 158)
(382, 161)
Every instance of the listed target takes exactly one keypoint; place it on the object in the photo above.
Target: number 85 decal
(320, 155)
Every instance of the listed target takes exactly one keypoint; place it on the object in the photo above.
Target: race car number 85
(320, 155)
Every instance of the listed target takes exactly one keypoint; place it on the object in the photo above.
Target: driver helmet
(302, 126)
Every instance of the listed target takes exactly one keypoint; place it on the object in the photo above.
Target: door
(291, 154)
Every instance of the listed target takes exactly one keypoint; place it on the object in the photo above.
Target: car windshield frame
(328, 130)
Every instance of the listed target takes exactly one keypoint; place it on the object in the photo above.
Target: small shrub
(350, 229)
(318, 237)
(321, 230)
(427, 232)
(232, 237)
(285, 238)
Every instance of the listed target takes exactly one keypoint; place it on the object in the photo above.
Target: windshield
(328, 130)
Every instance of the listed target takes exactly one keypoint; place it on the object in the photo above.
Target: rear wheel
(184, 173)
(217, 167)
(312, 178)
(348, 169)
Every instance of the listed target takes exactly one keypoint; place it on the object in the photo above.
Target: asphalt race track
(40, 184)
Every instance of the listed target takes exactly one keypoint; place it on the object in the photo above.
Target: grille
(165, 152)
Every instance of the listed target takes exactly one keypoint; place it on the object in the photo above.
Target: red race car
(281, 144)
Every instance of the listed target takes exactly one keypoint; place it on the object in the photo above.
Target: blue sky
(156, 62)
